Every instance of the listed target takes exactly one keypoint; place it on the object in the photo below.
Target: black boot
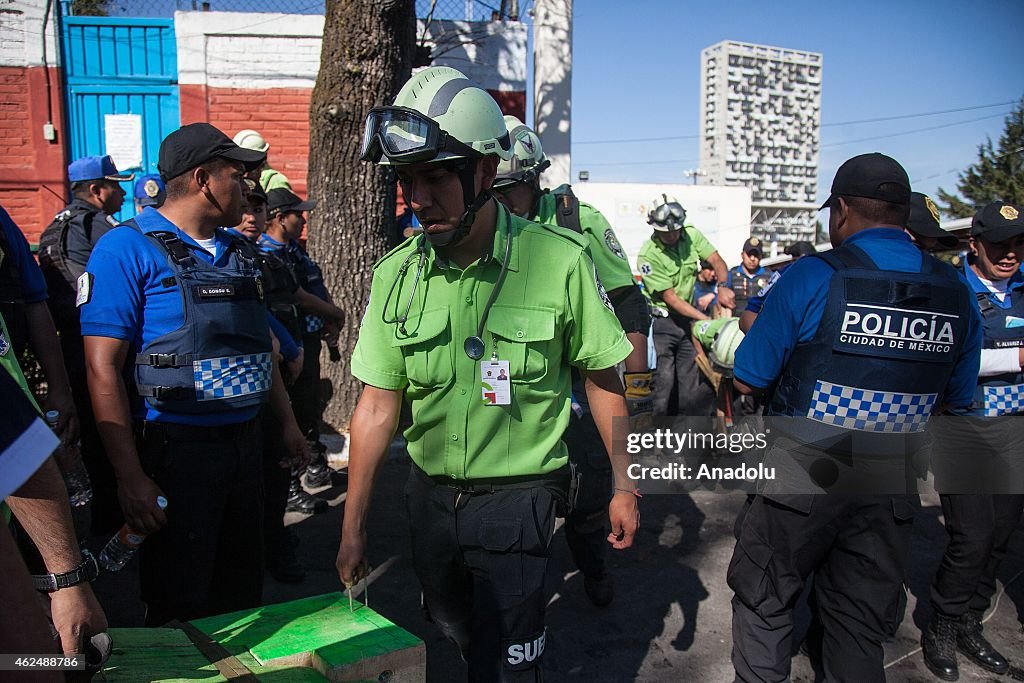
(971, 642)
(600, 589)
(300, 501)
(939, 645)
(318, 473)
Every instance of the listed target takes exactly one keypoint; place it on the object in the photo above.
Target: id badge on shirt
(495, 382)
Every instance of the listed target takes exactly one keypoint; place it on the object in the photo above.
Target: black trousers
(587, 526)
(481, 559)
(275, 484)
(209, 558)
(855, 549)
(979, 528)
(305, 392)
(677, 375)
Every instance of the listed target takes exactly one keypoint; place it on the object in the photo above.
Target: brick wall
(281, 115)
(32, 186)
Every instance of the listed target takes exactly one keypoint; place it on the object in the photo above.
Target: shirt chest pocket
(525, 337)
(426, 345)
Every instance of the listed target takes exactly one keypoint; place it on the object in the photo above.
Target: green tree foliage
(997, 175)
(89, 8)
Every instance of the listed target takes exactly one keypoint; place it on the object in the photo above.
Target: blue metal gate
(120, 66)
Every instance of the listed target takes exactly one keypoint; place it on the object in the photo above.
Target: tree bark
(365, 59)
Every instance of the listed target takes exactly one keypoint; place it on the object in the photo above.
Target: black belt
(558, 479)
(182, 432)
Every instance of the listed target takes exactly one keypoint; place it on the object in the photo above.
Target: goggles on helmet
(406, 136)
(669, 214)
(502, 184)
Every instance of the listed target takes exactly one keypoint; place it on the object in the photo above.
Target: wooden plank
(160, 655)
(320, 632)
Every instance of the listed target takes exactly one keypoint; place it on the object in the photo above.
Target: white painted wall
(21, 33)
(552, 85)
(250, 50)
(721, 213)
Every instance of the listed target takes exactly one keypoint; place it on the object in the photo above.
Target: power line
(615, 141)
(908, 132)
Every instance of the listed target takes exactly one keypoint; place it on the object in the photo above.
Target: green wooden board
(157, 654)
(321, 624)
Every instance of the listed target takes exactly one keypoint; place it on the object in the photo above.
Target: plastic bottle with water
(76, 479)
(124, 544)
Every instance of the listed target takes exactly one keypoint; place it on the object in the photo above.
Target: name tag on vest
(215, 291)
(901, 333)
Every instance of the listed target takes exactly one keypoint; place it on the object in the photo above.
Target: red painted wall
(281, 115)
(32, 170)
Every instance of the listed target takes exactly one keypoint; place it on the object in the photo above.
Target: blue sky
(636, 73)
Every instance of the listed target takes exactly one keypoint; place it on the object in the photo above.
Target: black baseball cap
(865, 174)
(197, 143)
(800, 249)
(924, 220)
(256, 192)
(751, 245)
(998, 222)
(280, 199)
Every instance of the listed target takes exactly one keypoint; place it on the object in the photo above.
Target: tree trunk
(365, 59)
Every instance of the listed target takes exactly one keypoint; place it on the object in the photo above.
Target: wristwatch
(86, 571)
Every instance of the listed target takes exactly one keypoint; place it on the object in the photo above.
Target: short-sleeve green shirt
(674, 267)
(548, 315)
(610, 259)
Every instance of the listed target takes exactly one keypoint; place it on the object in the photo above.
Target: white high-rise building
(760, 114)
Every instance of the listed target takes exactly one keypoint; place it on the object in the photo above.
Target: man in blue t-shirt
(182, 303)
(846, 386)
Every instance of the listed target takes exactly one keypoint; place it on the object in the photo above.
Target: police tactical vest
(880, 359)
(281, 285)
(1004, 329)
(12, 296)
(220, 358)
(745, 287)
(60, 272)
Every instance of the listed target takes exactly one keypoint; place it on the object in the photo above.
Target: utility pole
(552, 85)
(694, 172)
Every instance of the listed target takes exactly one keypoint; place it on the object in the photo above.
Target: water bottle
(76, 477)
(124, 544)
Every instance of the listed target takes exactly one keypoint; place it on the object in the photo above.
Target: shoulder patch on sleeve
(84, 289)
(613, 245)
(602, 292)
(646, 269)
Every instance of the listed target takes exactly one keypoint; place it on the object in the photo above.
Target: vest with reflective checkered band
(880, 359)
(220, 358)
(744, 286)
(1004, 329)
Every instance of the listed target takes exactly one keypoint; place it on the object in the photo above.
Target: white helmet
(250, 139)
(528, 160)
(439, 114)
(666, 214)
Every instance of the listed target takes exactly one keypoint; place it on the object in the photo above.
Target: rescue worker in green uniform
(668, 265)
(478, 292)
(518, 187)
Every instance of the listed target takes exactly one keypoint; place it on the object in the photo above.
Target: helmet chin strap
(466, 169)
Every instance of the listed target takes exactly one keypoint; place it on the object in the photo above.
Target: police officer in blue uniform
(848, 393)
(182, 305)
(748, 278)
(64, 249)
(990, 439)
(23, 297)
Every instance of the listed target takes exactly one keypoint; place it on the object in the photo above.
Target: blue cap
(95, 168)
(150, 190)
